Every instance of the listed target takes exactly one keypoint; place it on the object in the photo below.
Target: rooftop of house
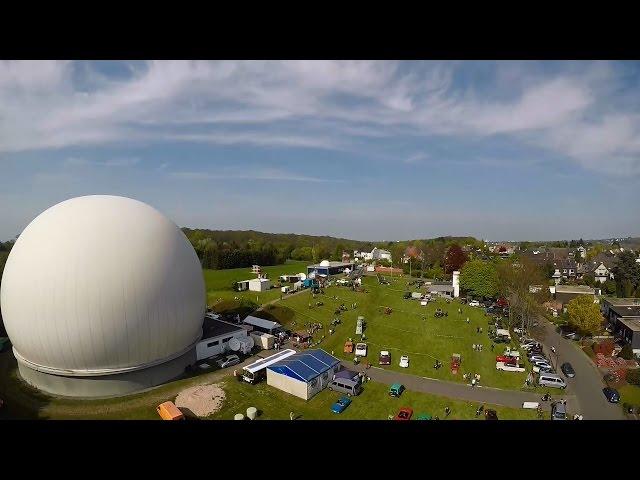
(632, 323)
(626, 311)
(583, 289)
(622, 301)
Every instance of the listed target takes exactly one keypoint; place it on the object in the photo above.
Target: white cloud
(110, 163)
(42, 106)
(261, 174)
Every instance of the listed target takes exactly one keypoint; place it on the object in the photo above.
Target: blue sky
(363, 150)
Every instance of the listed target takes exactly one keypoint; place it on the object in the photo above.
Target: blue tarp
(305, 366)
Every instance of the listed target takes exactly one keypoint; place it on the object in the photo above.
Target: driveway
(587, 385)
(460, 391)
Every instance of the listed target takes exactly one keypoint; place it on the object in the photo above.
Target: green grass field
(630, 394)
(219, 282)
(373, 403)
(411, 329)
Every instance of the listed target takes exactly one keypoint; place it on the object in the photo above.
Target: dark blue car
(612, 394)
(341, 405)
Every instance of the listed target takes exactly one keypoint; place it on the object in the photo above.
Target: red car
(405, 413)
(507, 360)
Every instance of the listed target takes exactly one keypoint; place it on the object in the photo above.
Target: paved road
(587, 385)
(507, 398)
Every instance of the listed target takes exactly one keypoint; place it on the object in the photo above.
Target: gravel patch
(203, 400)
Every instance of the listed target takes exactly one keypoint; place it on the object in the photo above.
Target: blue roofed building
(303, 374)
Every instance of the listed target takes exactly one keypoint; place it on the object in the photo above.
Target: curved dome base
(107, 385)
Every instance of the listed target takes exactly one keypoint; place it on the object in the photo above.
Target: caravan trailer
(256, 371)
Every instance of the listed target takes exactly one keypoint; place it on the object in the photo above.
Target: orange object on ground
(169, 411)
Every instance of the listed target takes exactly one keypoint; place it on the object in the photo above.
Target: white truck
(509, 368)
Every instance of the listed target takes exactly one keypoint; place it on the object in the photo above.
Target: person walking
(467, 320)
(291, 415)
(447, 411)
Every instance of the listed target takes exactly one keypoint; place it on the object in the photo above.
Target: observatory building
(102, 296)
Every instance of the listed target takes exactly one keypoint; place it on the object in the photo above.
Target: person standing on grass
(467, 320)
(291, 415)
(447, 411)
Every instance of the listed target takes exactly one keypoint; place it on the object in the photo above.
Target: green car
(396, 390)
(423, 416)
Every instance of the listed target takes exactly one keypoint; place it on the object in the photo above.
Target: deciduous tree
(480, 278)
(454, 258)
(584, 315)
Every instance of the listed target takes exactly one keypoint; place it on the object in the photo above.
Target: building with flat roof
(216, 338)
(565, 293)
(625, 323)
(328, 268)
(262, 325)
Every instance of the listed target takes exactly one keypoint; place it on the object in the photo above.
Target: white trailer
(258, 370)
(359, 325)
(416, 295)
(509, 368)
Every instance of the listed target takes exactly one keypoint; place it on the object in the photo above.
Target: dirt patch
(202, 400)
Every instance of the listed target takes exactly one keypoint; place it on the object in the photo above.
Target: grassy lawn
(373, 403)
(630, 394)
(411, 329)
(218, 284)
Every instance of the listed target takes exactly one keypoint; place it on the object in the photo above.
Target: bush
(633, 376)
(626, 352)
(605, 347)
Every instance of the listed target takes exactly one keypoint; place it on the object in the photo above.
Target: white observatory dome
(101, 285)
(324, 263)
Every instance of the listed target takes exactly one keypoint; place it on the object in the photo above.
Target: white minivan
(551, 380)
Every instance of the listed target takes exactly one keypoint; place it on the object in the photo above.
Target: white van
(551, 380)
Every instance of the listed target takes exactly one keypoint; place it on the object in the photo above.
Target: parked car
(404, 361)
(474, 303)
(396, 390)
(405, 413)
(558, 411)
(572, 336)
(341, 405)
(490, 414)
(361, 349)
(537, 357)
(228, 361)
(568, 370)
(612, 394)
(541, 364)
(385, 358)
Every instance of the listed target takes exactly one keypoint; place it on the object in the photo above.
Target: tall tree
(514, 282)
(584, 315)
(479, 278)
(454, 258)
(626, 273)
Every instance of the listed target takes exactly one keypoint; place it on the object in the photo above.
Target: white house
(601, 273)
(379, 254)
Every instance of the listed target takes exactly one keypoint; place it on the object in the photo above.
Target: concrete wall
(106, 385)
(287, 384)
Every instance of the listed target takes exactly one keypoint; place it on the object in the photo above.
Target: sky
(367, 150)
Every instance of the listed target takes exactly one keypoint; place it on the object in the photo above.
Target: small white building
(259, 284)
(216, 337)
